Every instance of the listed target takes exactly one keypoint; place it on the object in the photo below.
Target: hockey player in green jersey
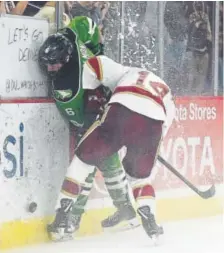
(62, 56)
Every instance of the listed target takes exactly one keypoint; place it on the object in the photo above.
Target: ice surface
(191, 236)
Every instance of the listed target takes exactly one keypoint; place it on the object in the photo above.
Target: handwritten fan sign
(20, 40)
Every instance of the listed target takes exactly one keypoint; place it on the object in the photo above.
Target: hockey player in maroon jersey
(139, 114)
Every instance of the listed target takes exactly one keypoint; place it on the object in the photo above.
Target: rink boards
(35, 147)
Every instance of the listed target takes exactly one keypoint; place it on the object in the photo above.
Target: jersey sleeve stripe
(140, 92)
(96, 66)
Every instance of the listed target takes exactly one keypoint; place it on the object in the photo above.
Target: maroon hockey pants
(122, 127)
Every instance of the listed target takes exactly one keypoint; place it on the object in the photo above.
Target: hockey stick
(203, 194)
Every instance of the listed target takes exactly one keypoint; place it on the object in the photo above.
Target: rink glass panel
(147, 41)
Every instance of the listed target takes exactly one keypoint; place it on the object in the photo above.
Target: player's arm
(88, 32)
(95, 102)
(101, 70)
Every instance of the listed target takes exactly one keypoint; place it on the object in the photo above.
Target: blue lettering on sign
(9, 173)
(21, 128)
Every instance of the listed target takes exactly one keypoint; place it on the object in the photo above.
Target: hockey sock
(77, 184)
(115, 180)
(81, 200)
(143, 192)
(145, 196)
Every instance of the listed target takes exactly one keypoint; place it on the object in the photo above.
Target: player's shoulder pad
(95, 64)
(92, 73)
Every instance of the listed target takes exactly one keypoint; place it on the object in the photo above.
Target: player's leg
(80, 196)
(144, 195)
(143, 137)
(72, 201)
(118, 188)
(105, 136)
(108, 138)
(117, 221)
(138, 164)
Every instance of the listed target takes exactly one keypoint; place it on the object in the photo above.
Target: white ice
(189, 236)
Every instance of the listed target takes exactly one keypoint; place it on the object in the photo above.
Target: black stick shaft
(206, 194)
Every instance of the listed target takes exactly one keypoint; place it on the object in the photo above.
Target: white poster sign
(20, 40)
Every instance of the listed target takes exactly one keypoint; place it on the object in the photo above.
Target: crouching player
(140, 110)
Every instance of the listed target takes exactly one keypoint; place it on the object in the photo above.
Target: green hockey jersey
(88, 32)
(67, 88)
